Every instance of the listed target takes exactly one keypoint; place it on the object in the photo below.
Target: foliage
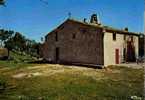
(15, 41)
(9, 44)
(2, 2)
(2, 85)
(5, 35)
(32, 47)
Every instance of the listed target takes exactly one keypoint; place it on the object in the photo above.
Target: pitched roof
(107, 28)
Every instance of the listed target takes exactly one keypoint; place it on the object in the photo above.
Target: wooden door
(117, 56)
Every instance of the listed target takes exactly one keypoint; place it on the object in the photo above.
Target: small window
(74, 36)
(114, 36)
(56, 36)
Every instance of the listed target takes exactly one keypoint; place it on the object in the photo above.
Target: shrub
(2, 85)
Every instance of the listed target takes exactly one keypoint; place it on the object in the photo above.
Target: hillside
(17, 60)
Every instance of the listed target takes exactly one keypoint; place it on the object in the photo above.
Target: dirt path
(133, 65)
(51, 69)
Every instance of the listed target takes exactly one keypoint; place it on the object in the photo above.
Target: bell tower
(94, 19)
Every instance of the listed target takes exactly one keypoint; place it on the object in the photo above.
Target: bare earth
(49, 69)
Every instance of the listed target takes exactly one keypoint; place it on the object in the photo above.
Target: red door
(117, 56)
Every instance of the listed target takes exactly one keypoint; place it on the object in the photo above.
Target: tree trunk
(8, 53)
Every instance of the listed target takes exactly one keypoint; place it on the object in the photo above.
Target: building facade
(90, 43)
(123, 48)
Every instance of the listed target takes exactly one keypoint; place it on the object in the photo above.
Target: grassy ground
(18, 60)
(59, 82)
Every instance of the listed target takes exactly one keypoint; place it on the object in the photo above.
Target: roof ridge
(103, 26)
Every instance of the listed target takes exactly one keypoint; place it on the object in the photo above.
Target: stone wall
(77, 43)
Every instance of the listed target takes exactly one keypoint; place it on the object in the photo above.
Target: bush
(2, 85)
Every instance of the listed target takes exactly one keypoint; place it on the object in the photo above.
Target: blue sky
(35, 19)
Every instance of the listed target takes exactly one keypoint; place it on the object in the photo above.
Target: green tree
(2, 2)
(9, 45)
(19, 42)
(7, 40)
(32, 47)
(5, 35)
(1, 37)
(35, 48)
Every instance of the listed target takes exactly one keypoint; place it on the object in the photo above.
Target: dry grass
(60, 82)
